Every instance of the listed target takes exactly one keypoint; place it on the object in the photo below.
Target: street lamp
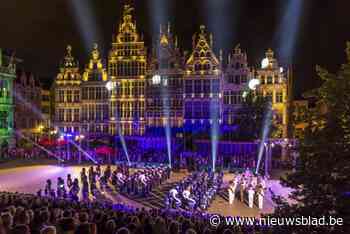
(253, 84)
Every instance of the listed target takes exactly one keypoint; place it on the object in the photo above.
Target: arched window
(237, 65)
(197, 67)
(206, 66)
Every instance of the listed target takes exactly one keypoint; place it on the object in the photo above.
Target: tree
(253, 116)
(321, 182)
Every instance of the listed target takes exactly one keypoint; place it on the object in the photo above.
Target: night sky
(39, 30)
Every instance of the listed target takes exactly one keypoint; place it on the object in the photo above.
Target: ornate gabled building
(236, 78)
(164, 86)
(27, 99)
(7, 77)
(67, 95)
(274, 84)
(140, 94)
(94, 96)
(202, 84)
(127, 70)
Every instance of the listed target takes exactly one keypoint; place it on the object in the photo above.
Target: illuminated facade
(7, 76)
(46, 108)
(274, 84)
(94, 97)
(27, 100)
(138, 93)
(164, 86)
(67, 95)
(127, 66)
(202, 84)
(237, 76)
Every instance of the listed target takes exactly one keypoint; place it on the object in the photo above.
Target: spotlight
(156, 79)
(265, 63)
(253, 83)
(110, 85)
(281, 70)
(244, 94)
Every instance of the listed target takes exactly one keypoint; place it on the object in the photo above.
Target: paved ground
(31, 178)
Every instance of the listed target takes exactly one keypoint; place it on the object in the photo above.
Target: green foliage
(252, 115)
(322, 178)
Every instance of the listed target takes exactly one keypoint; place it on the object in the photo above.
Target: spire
(202, 28)
(269, 53)
(176, 42)
(95, 53)
(69, 50)
(69, 60)
(238, 49)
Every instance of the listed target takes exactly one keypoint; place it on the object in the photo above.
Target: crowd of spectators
(32, 214)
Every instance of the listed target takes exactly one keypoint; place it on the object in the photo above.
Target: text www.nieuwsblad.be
(216, 220)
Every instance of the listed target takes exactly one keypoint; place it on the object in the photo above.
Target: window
(84, 113)
(188, 86)
(226, 98)
(231, 79)
(99, 113)
(206, 67)
(3, 119)
(60, 95)
(76, 115)
(244, 79)
(60, 115)
(236, 98)
(188, 110)
(197, 86)
(91, 93)
(69, 115)
(69, 96)
(269, 80)
(91, 112)
(76, 95)
(98, 93)
(237, 79)
(206, 110)
(237, 65)
(197, 67)
(262, 80)
(197, 110)
(215, 86)
(85, 93)
(279, 97)
(3, 89)
(206, 86)
(269, 96)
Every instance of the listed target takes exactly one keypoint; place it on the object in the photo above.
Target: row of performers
(140, 183)
(195, 192)
(248, 185)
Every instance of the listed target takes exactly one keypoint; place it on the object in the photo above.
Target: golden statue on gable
(128, 9)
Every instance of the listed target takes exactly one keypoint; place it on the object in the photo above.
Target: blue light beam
(288, 31)
(265, 134)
